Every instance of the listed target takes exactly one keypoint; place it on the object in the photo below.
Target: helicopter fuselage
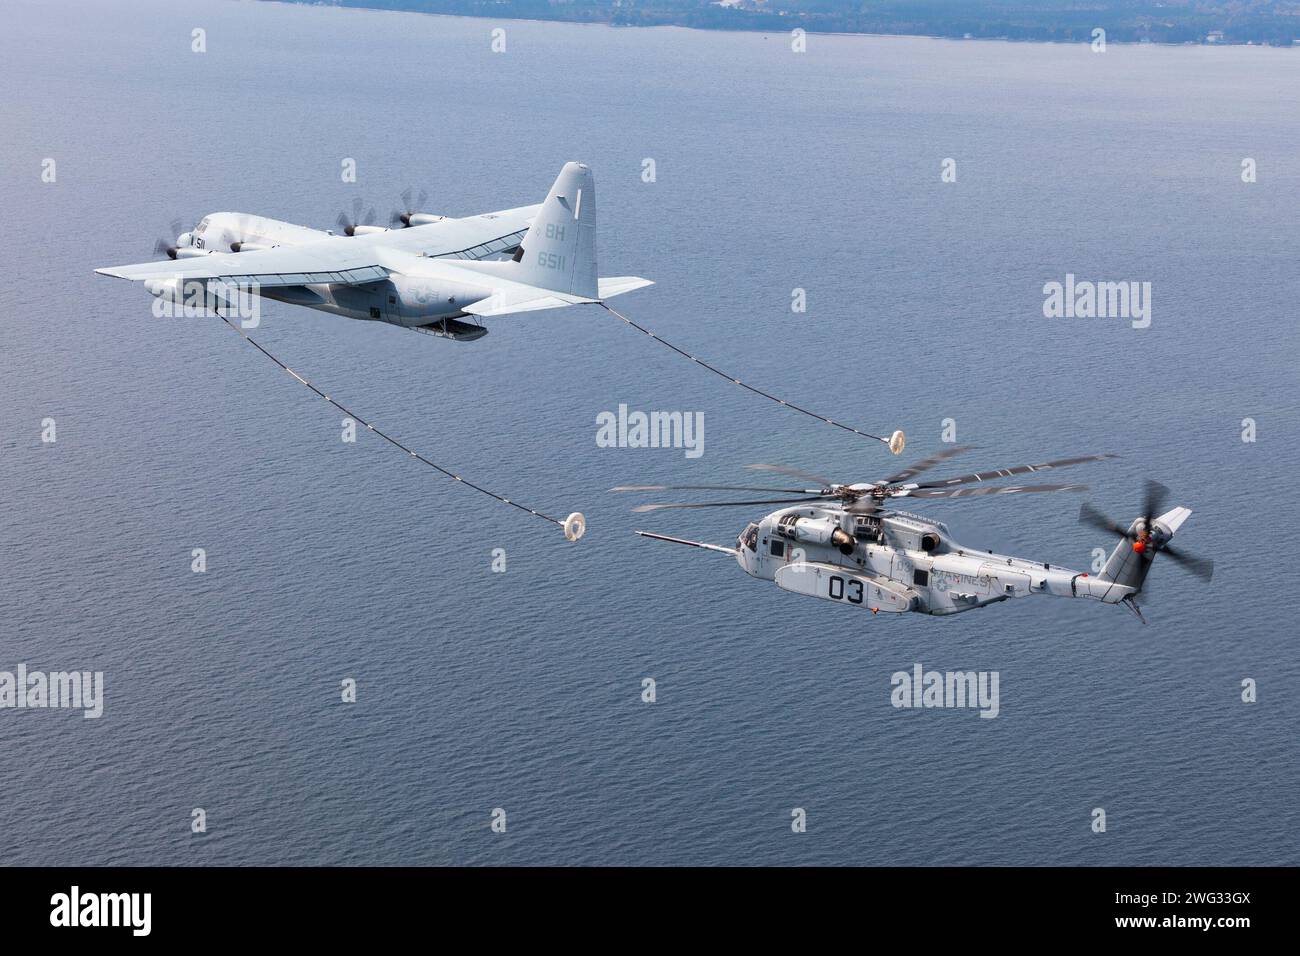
(896, 561)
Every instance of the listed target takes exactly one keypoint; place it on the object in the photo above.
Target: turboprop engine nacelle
(420, 218)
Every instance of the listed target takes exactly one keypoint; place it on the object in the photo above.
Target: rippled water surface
(522, 690)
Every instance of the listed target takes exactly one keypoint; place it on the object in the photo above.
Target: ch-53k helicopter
(841, 544)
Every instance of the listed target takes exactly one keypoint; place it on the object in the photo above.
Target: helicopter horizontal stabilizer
(1173, 519)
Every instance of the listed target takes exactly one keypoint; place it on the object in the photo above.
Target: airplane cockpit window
(203, 225)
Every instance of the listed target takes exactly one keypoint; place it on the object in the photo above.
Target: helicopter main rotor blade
(641, 509)
(1203, 568)
(793, 472)
(925, 464)
(991, 490)
(1092, 518)
(779, 491)
(1008, 472)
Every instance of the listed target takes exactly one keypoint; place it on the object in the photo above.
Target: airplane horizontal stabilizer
(522, 300)
(616, 285)
(518, 297)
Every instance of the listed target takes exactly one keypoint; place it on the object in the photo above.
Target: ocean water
(522, 690)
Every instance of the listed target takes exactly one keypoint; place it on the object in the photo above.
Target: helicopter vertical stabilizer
(1130, 562)
(1126, 569)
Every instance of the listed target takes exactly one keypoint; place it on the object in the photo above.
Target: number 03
(837, 589)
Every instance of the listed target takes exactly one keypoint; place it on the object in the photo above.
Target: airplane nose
(185, 239)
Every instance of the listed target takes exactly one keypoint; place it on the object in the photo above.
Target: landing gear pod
(897, 442)
(575, 526)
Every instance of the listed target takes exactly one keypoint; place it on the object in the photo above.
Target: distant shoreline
(1120, 34)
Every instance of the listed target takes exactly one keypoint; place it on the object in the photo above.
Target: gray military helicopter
(839, 543)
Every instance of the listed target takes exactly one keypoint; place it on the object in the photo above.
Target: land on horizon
(1271, 22)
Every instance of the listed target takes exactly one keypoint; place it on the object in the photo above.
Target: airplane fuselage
(411, 301)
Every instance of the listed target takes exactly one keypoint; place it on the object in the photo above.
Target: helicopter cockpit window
(749, 537)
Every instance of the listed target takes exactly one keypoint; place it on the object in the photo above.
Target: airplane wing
(337, 259)
(282, 266)
(348, 260)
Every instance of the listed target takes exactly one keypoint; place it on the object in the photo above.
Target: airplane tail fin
(558, 253)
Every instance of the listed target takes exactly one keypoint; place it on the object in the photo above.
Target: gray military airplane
(423, 271)
(840, 543)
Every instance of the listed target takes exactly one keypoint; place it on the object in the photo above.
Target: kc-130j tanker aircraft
(425, 271)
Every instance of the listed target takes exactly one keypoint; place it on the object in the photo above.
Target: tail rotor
(1147, 536)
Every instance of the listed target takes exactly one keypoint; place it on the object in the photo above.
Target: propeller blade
(1008, 472)
(991, 490)
(788, 491)
(1203, 568)
(410, 204)
(793, 472)
(1092, 518)
(641, 509)
(167, 246)
(360, 217)
(925, 464)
